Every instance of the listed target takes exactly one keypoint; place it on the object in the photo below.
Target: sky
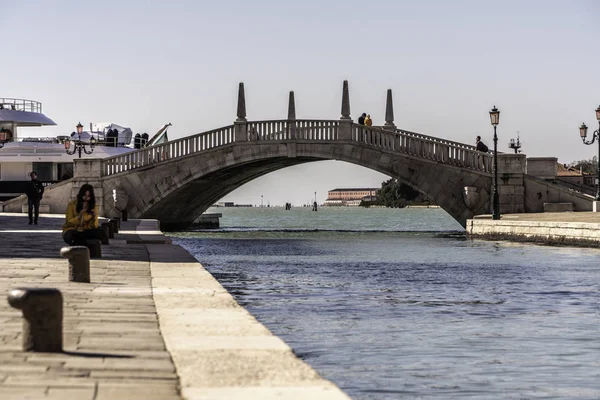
(146, 63)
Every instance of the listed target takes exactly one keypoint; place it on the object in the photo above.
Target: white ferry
(49, 157)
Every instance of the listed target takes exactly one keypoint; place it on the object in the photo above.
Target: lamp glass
(93, 141)
(495, 116)
(79, 128)
(598, 113)
(67, 144)
(583, 131)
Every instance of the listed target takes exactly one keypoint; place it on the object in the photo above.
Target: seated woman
(82, 218)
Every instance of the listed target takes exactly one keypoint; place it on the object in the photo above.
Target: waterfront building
(350, 196)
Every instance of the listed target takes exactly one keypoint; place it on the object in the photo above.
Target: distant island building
(350, 197)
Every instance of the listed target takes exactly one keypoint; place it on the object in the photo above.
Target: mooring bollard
(108, 228)
(95, 247)
(79, 263)
(115, 225)
(124, 215)
(42, 318)
(118, 220)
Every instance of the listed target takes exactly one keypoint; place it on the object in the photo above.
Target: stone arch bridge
(177, 181)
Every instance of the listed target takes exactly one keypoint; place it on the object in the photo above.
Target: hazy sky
(145, 63)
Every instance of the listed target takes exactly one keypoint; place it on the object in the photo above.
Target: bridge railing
(412, 143)
(172, 149)
(300, 129)
(423, 146)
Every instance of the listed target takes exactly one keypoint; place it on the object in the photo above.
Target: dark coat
(35, 189)
(482, 147)
(361, 120)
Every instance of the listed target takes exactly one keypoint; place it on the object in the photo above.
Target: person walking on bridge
(368, 120)
(34, 192)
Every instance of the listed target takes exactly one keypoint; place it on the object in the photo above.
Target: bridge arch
(178, 188)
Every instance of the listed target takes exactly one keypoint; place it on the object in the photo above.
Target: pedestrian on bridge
(368, 120)
(480, 146)
(361, 119)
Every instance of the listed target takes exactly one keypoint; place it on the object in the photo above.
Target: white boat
(19, 154)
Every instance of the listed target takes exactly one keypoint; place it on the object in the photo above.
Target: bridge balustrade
(427, 147)
(301, 129)
(411, 143)
(166, 151)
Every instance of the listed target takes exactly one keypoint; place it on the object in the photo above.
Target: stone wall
(511, 172)
(539, 191)
(56, 196)
(542, 167)
(571, 233)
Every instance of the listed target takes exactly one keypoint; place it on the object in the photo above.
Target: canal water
(392, 304)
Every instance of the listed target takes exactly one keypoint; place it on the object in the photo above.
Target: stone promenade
(144, 292)
(112, 341)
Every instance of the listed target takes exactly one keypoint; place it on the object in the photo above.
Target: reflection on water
(387, 314)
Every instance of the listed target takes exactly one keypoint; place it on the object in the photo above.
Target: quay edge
(576, 234)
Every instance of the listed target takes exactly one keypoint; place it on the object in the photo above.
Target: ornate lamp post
(79, 145)
(596, 135)
(495, 119)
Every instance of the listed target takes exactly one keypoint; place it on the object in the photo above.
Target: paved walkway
(112, 342)
(144, 289)
(580, 216)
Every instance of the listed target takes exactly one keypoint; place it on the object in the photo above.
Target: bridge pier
(511, 188)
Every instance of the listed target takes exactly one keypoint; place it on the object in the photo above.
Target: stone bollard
(124, 215)
(118, 220)
(95, 247)
(104, 239)
(109, 229)
(79, 263)
(42, 318)
(115, 225)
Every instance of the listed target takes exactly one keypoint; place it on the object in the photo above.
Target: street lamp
(596, 135)
(79, 145)
(495, 119)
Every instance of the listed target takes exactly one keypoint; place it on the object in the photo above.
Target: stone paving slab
(112, 341)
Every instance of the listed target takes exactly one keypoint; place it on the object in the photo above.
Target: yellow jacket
(368, 121)
(72, 220)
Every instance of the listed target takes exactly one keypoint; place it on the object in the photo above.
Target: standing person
(34, 192)
(480, 146)
(81, 219)
(368, 120)
(361, 119)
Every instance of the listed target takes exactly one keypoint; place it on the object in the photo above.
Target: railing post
(291, 125)
(241, 123)
(389, 112)
(345, 127)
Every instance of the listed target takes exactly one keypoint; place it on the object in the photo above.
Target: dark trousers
(78, 238)
(33, 205)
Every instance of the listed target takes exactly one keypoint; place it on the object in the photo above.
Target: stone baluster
(42, 318)
(389, 111)
(241, 123)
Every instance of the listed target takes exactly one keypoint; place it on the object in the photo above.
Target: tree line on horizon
(587, 166)
(395, 194)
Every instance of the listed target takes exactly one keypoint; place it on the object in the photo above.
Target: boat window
(44, 171)
(65, 171)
